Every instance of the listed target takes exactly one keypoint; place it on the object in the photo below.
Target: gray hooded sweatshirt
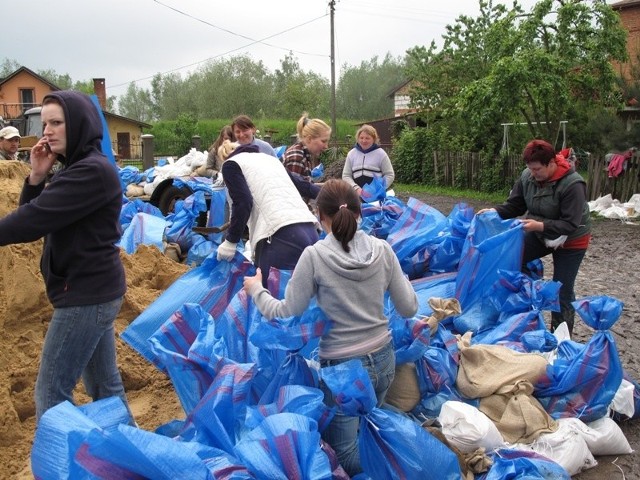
(350, 289)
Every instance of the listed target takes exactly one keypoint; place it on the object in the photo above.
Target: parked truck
(29, 125)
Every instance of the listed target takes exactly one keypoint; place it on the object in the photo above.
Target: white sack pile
(610, 208)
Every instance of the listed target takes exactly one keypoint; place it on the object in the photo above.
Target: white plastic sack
(566, 446)
(600, 203)
(623, 401)
(612, 208)
(605, 437)
(561, 333)
(467, 428)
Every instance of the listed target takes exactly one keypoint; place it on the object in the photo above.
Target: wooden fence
(621, 187)
(467, 170)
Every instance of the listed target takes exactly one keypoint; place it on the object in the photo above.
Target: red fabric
(616, 165)
(565, 152)
(562, 170)
(580, 243)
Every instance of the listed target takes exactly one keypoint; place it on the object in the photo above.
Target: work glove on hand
(226, 251)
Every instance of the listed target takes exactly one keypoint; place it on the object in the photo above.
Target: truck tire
(170, 196)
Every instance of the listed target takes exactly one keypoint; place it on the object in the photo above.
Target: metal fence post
(147, 151)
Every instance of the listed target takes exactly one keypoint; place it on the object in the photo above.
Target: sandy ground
(611, 267)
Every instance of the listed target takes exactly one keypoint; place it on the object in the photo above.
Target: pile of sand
(24, 314)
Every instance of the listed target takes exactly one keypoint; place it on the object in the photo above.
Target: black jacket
(77, 212)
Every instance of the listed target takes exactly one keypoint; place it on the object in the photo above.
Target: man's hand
(226, 251)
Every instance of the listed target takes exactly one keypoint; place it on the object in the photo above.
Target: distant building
(402, 112)
(402, 99)
(25, 89)
(629, 11)
(22, 90)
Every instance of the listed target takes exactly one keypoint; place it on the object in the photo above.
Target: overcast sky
(132, 40)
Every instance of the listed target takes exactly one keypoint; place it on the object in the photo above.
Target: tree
(8, 66)
(363, 91)
(297, 91)
(511, 66)
(136, 103)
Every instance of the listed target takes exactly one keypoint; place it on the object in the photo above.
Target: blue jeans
(80, 342)
(566, 263)
(342, 432)
(284, 248)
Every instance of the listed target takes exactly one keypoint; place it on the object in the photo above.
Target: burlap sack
(134, 190)
(470, 463)
(484, 369)
(442, 308)
(404, 393)
(518, 415)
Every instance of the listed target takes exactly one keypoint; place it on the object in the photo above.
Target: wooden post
(196, 142)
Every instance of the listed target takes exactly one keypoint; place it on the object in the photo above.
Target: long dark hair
(339, 202)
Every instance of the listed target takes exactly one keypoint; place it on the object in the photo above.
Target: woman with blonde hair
(366, 161)
(313, 139)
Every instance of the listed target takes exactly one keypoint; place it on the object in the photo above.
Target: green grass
(489, 198)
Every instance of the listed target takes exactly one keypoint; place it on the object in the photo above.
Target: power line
(253, 42)
(239, 34)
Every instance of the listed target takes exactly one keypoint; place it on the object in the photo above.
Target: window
(27, 98)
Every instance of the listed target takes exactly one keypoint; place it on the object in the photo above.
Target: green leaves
(508, 65)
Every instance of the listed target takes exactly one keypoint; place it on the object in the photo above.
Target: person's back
(278, 202)
(348, 273)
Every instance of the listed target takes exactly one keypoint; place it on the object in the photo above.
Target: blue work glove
(226, 251)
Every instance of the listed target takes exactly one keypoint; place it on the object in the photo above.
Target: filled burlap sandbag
(134, 190)
(404, 393)
(484, 369)
(519, 416)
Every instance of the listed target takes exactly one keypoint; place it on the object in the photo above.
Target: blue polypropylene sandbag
(285, 445)
(492, 244)
(308, 401)
(144, 229)
(218, 418)
(584, 386)
(128, 452)
(63, 428)
(391, 445)
(212, 285)
(525, 465)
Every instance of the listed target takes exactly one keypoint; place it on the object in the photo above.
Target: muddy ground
(611, 267)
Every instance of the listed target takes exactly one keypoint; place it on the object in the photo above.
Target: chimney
(100, 90)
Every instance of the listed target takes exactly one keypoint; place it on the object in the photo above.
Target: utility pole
(332, 7)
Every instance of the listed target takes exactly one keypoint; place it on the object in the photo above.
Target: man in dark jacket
(78, 216)
(551, 196)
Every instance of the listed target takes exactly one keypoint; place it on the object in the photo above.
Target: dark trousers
(283, 249)
(566, 263)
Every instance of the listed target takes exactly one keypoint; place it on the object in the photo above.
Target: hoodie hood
(354, 264)
(373, 147)
(563, 168)
(82, 123)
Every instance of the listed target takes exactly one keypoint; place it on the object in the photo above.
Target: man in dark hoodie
(551, 196)
(78, 216)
